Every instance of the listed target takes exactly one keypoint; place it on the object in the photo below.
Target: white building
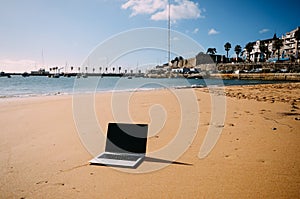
(290, 48)
(291, 45)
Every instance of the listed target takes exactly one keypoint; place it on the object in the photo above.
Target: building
(202, 58)
(291, 44)
(264, 50)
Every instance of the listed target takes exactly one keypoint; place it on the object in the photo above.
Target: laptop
(125, 145)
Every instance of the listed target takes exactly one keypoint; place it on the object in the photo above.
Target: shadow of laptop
(148, 159)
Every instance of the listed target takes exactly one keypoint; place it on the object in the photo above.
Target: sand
(256, 156)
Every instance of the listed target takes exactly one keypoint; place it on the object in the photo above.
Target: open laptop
(125, 145)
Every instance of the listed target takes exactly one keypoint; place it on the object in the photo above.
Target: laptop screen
(126, 138)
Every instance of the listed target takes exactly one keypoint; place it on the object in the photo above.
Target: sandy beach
(256, 156)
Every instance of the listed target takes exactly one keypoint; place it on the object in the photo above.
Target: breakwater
(267, 67)
(259, 76)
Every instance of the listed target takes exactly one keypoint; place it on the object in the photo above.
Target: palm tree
(78, 69)
(106, 70)
(263, 50)
(86, 68)
(100, 68)
(93, 70)
(72, 68)
(227, 47)
(113, 69)
(120, 69)
(277, 46)
(237, 50)
(249, 48)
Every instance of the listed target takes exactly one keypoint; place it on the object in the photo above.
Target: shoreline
(264, 82)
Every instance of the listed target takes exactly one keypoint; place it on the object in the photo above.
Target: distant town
(273, 55)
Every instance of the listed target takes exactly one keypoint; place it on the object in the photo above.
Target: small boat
(84, 75)
(129, 77)
(25, 74)
(56, 75)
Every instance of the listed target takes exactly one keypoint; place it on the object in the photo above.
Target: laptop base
(118, 163)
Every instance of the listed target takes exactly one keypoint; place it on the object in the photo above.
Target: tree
(93, 70)
(113, 69)
(237, 50)
(249, 48)
(120, 69)
(106, 70)
(277, 46)
(227, 47)
(100, 68)
(72, 68)
(211, 51)
(263, 50)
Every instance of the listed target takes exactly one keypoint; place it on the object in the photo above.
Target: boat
(3, 74)
(56, 75)
(25, 74)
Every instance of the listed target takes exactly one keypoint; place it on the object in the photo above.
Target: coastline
(256, 156)
(19, 87)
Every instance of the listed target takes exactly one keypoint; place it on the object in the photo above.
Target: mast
(169, 33)
(43, 61)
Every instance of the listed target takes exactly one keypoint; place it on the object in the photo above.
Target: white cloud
(264, 30)
(213, 32)
(144, 6)
(158, 9)
(196, 30)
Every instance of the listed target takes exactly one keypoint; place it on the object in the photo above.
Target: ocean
(18, 86)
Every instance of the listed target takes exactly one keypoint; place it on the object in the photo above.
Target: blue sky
(68, 30)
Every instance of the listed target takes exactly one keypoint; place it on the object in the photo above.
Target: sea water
(18, 86)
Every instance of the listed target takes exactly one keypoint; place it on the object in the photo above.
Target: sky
(47, 33)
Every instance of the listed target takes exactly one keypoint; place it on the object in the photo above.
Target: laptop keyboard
(119, 157)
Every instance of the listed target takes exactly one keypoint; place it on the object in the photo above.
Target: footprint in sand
(59, 183)
(41, 182)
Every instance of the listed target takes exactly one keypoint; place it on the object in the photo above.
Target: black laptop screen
(126, 138)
